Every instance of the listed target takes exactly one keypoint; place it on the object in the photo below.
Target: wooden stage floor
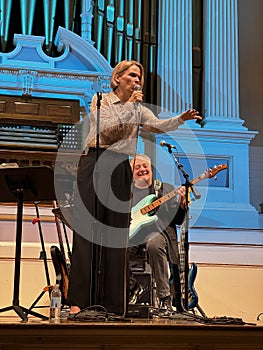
(178, 333)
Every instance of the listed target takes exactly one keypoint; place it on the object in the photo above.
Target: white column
(175, 55)
(224, 139)
(221, 92)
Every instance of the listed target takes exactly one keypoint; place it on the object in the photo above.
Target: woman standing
(99, 270)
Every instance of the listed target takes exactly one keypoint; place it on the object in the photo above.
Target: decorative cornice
(77, 55)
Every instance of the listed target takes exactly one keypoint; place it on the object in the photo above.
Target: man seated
(158, 238)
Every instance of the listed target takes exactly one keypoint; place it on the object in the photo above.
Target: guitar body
(139, 220)
(61, 270)
(192, 294)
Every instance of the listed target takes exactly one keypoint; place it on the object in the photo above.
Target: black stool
(141, 286)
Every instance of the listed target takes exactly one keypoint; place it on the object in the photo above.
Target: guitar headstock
(211, 172)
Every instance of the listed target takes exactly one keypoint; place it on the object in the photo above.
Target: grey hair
(142, 157)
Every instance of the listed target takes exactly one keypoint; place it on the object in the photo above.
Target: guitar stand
(60, 218)
(43, 255)
(200, 310)
(24, 184)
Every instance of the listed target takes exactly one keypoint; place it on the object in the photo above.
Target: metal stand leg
(43, 255)
(200, 310)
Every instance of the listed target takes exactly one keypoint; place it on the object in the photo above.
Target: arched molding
(77, 73)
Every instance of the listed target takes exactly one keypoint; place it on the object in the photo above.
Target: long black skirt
(99, 269)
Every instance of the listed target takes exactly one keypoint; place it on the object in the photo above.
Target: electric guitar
(192, 295)
(61, 270)
(142, 214)
(58, 256)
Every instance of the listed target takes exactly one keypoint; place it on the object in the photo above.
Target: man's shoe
(166, 305)
(135, 294)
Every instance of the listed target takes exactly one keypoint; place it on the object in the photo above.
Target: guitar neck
(199, 178)
(155, 204)
(207, 174)
(159, 201)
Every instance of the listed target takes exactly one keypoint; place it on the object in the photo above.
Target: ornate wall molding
(78, 73)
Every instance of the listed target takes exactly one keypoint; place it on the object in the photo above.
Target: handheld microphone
(165, 144)
(201, 122)
(137, 87)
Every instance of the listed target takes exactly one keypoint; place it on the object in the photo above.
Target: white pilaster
(175, 55)
(224, 139)
(221, 78)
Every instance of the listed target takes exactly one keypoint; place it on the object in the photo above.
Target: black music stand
(25, 184)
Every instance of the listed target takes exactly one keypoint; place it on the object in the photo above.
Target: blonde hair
(142, 157)
(121, 68)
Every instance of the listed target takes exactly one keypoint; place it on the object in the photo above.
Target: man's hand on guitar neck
(182, 200)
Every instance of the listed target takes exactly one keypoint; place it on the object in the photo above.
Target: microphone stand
(96, 250)
(188, 185)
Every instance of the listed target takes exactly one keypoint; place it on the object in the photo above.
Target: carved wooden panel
(57, 111)
(30, 128)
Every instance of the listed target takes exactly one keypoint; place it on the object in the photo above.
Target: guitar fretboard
(155, 204)
(207, 174)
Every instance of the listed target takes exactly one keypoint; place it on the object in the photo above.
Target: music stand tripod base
(21, 185)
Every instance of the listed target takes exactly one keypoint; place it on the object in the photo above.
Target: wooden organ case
(32, 128)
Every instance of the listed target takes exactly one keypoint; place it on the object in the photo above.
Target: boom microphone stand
(188, 185)
(96, 249)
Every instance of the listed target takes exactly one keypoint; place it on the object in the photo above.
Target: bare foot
(74, 310)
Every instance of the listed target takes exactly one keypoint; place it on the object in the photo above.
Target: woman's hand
(190, 114)
(136, 96)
